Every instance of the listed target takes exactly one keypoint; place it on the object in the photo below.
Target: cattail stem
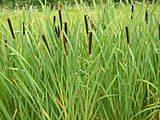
(146, 17)
(127, 35)
(86, 23)
(23, 29)
(90, 43)
(11, 29)
(45, 41)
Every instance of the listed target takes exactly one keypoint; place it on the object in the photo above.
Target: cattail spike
(90, 43)
(60, 19)
(132, 10)
(127, 35)
(60, 15)
(65, 27)
(54, 20)
(86, 23)
(11, 29)
(23, 29)
(146, 17)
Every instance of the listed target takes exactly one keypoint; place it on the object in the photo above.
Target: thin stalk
(159, 30)
(65, 43)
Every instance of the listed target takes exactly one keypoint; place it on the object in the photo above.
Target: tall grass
(113, 81)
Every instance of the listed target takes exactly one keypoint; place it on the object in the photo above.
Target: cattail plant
(146, 17)
(86, 24)
(132, 10)
(65, 27)
(127, 34)
(90, 43)
(54, 20)
(60, 15)
(23, 28)
(45, 41)
(11, 29)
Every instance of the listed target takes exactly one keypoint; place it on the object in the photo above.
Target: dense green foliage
(117, 81)
(54, 2)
